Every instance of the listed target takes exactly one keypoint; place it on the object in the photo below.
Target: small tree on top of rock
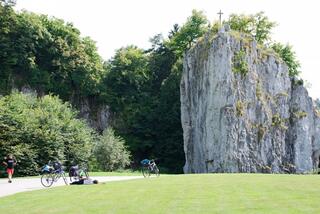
(288, 56)
(258, 25)
(183, 38)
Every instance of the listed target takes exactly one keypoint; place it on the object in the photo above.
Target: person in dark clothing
(85, 181)
(10, 163)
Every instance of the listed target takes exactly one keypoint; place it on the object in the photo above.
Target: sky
(117, 23)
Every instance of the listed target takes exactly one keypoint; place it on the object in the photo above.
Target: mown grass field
(205, 193)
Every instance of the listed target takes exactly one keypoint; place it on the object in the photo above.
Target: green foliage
(257, 25)
(239, 63)
(143, 90)
(195, 27)
(299, 114)
(279, 122)
(110, 152)
(276, 120)
(127, 77)
(47, 55)
(240, 108)
(8, 57)
(297, 82)
(37, 130)
(169, 148)
(288, 56)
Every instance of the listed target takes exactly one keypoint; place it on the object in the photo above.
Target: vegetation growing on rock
(239, 63)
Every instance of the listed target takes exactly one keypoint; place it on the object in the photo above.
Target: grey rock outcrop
(241, 112)
(98, 116)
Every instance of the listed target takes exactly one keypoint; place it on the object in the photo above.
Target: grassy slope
(214, 193)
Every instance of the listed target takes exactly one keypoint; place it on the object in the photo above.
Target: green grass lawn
(205, 193)
(117, 173)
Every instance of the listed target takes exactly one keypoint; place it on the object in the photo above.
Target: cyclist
(74, 171)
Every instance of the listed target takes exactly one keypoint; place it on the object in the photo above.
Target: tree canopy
(257, 25)
(46, 54)
(184, 37)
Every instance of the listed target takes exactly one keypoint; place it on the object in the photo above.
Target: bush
(110, 152)
(37, 130)
(289, 57)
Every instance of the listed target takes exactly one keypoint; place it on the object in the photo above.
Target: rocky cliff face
(242, 113)
(98, 116)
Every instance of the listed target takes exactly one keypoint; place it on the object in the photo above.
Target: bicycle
(75, 173)
(52, 173)
(149, 168)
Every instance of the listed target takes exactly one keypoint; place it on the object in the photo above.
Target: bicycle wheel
(47, 179)
(74, 178)
(63, 175)
(83, 173)
(86, 173)
(156, 171)
(70, 175)
(145, 171)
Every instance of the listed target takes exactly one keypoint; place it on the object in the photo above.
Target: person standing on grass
(10, 163)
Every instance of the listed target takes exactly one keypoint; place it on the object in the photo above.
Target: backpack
(145, 162)
(74, 171)
(57, 166)
(46, 169)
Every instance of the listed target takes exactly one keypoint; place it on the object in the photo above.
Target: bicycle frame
(150, 168)
(50, 175)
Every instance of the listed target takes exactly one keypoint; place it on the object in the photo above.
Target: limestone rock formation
(241, 112)
(98, 116)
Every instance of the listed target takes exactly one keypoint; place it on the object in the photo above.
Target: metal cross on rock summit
(220, 14)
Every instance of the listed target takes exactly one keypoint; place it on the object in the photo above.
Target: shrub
(289, 57)
(110, 152)
(239, 63)
(277, 121)
(37, 130)
(240, 108)
(299, 114)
